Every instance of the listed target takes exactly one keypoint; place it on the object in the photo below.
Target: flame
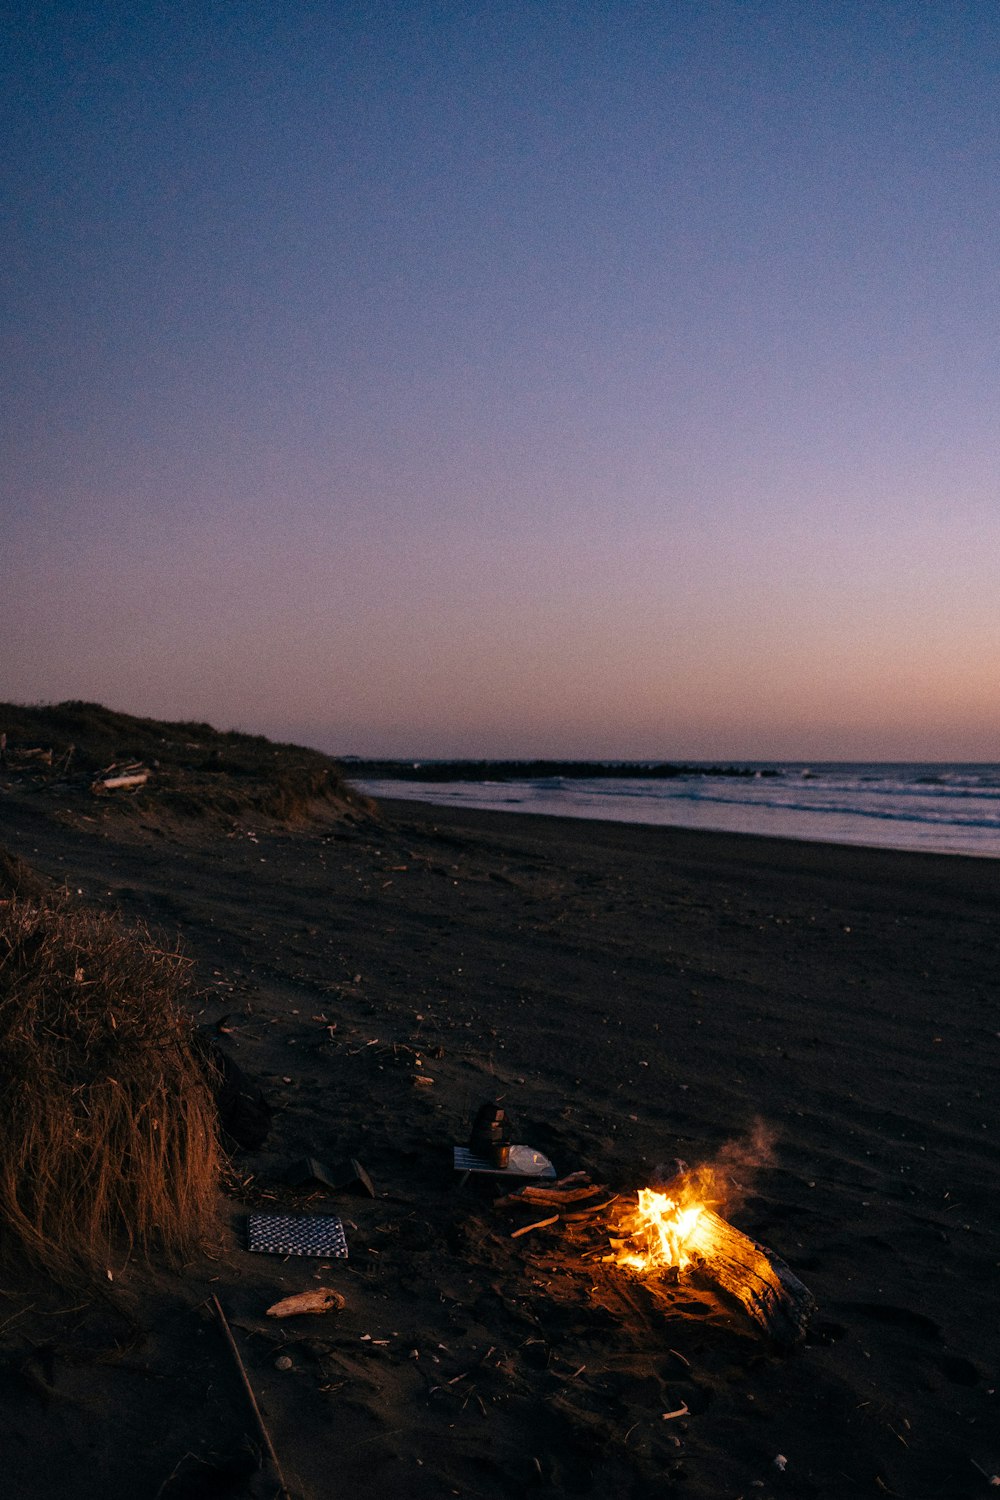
(659, 1233)
(669, 1228)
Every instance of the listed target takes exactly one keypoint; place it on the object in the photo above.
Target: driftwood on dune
(119, 778)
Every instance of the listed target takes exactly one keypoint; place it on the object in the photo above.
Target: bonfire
(675, 1231)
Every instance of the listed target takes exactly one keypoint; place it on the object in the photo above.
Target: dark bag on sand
(244, 1113)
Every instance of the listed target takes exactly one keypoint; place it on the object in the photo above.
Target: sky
(507, 379)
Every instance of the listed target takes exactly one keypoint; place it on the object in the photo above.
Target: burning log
(771, 1295)
(677, 1230)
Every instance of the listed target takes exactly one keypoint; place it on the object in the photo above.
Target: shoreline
(887, 817)
(632, 995)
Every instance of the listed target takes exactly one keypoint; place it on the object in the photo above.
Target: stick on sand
(539, 1224)
(262, 1425)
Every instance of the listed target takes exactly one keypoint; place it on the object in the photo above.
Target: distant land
(530, 770)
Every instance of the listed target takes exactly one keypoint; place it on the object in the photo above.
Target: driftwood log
(742, 1271)
(730, 1262)
(117, 783)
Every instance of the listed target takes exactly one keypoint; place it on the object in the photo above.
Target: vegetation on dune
(196, 771)
(108, 1125)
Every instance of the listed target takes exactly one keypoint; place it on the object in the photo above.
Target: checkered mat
(284, 1234)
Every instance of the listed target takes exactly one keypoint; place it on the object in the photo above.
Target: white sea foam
(953, 809)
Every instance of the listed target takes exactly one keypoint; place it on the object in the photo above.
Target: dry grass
(108, 1129)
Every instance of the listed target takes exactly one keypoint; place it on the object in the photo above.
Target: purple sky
(458, 378)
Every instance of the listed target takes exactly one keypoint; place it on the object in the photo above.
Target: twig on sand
(261, 1424)
(174, 1473)
(539, 1224)
(590, 1210)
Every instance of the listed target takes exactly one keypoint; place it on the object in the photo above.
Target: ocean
(946, 809)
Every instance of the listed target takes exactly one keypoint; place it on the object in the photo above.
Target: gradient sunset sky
(507, 379)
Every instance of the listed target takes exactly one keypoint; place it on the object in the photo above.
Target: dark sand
(633, 995)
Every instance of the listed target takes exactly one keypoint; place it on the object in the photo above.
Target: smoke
(727, 1179)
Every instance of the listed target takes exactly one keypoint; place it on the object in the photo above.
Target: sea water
(949, 809)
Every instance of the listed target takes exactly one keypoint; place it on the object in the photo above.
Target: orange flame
(667, 1229)
(659, 1233)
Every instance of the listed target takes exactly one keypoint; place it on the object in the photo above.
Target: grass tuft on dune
(108, 1135)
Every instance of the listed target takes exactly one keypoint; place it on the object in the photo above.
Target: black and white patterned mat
(285, 1234)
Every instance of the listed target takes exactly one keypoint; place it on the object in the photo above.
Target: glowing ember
(661, 1232)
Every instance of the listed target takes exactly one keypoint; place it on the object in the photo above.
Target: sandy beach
(631, 996)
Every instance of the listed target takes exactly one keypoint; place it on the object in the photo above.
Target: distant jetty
(533, 770)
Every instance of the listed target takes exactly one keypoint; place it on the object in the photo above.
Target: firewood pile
(571, 1200)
